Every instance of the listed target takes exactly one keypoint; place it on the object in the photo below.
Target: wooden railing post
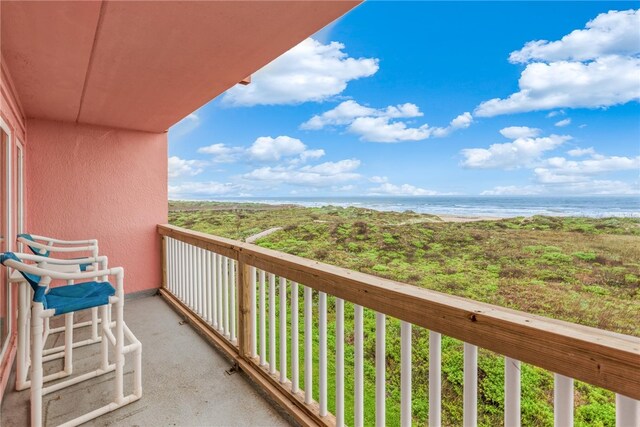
(244, 309)
(163, 260)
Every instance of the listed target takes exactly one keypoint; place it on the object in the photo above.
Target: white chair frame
(54, 246)
(25, 293)
(38, 314)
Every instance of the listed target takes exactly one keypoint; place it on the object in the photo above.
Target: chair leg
(104, 342)
(119, 335)
(94, 323)
(23, 340)
(68, 343)
(37, 329)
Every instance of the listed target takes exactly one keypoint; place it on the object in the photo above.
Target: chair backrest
(32, 279)
(36, 251)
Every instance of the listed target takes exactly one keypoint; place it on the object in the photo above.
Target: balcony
(269, 315)
(181, 387)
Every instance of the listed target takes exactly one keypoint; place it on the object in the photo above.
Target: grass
(580, 270)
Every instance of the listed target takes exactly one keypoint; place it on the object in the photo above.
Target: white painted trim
(8, 181)
(20, 153)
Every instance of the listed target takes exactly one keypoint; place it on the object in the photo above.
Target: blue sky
(430, 98)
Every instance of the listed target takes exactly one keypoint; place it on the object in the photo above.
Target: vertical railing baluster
(182, 271)
(254, 312)
(511, 392)
(207, 285)
(168, 264)
(295, 383)
(219, 285)
(358, 366)
(272, 323)
(225, 296)
(308, 345)
(339, 362)
(203, 282)
(232, 303)
(405, 374)
(192, 277)
(174, 289)
(185, 267)
(214, 290)
(283, 329)
(470, 385)
(435, 379)
(562, 401)
(381, 369)
(627, 411)
(263, 321)
(201, 287)
(322, 308)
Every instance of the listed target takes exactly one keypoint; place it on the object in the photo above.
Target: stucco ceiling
(145, 65)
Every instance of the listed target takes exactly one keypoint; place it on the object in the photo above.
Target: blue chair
(45, 246)
(52, 248)
(65, 300)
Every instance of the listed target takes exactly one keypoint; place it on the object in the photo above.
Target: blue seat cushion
(65, 299)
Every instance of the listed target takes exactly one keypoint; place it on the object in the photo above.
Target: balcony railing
(239, 296)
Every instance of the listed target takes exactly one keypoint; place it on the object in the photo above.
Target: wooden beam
(245, 81)
(602, 358)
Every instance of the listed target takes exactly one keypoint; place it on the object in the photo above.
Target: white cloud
(604, 82)
(383, 124)
(514, 132)
(514, 190)
(591, 68)
(579, 152)
(347, 111)
(388, 189)
(222, 153)
(523, 151)
(563, 123)
(264, 149)
(555, 113)
(560, 170)
(311, 71)
(181, 167)
(379, 179)
(463, 121)
(205, 189)
(611, 33)
(379, 129)
(311, 154)
(322, 175)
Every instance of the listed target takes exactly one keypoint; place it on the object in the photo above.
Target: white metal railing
(207, 274)
(205, 282)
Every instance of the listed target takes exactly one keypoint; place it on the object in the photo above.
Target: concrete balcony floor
(184, 381)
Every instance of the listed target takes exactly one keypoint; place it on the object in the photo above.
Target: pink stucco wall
(88, 181)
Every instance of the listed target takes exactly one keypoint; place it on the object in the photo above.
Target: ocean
(499, 206)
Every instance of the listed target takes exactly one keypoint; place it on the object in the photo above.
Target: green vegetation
(580, 270)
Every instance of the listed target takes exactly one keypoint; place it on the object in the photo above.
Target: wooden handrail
(602, 358)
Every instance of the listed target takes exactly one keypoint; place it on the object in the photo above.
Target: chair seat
(65, 299)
